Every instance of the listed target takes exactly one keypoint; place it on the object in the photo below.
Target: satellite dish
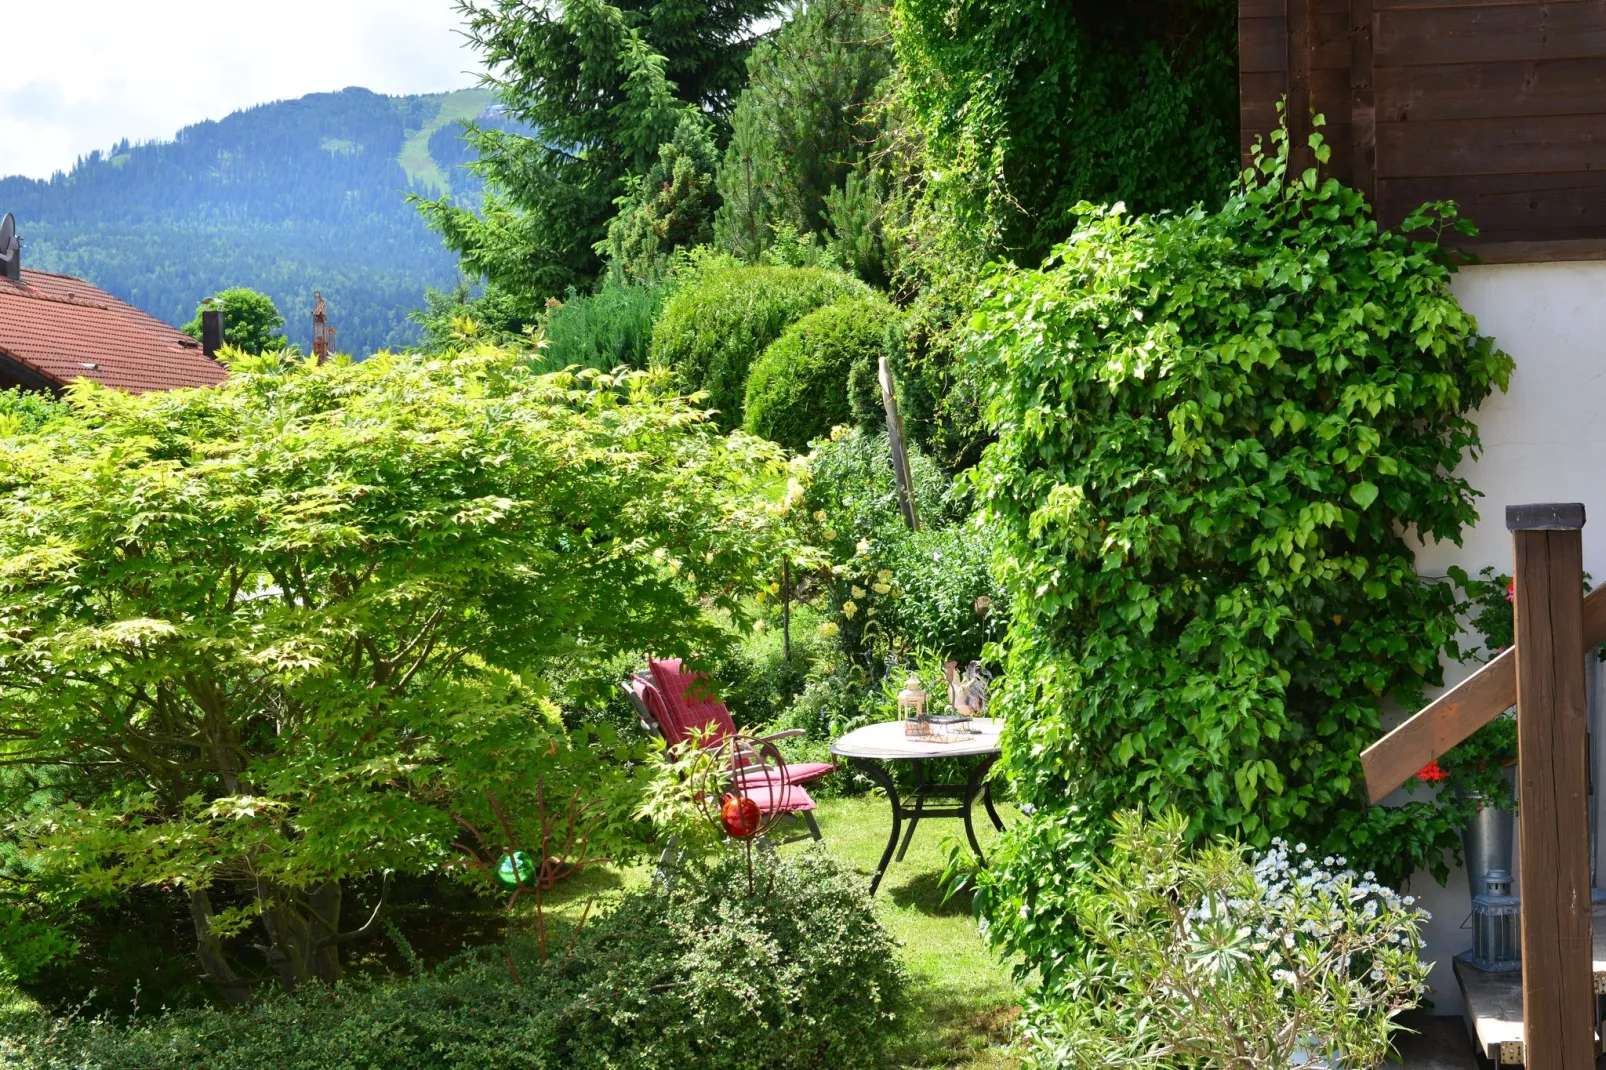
(10, 248)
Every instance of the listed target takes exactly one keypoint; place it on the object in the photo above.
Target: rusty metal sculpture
(564, 850)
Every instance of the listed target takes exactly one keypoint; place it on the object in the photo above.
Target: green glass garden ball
(515, 869)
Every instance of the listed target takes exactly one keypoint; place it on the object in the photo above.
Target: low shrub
(718, 322)
(605, 329)
(798, 974)
(1207, 959)
(797, 390)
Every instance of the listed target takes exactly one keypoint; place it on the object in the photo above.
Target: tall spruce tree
(604, 85)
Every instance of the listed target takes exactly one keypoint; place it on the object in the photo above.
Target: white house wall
(1544, 440)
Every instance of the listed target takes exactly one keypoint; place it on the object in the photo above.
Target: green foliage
(1028, 108)
(1480, 764)
(611, 328)
(604, 85)
(804, 123)
(797, 390)
(948, 598)
(798, 975)
(720, 320)
(250, 322)
(892, 590)
(670, 207)
(22, 411)
(1213, 429)
(1203, 960)
(268, 637)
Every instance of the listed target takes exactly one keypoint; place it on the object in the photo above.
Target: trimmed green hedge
(798, 389)
(713, 329)
(798, 975)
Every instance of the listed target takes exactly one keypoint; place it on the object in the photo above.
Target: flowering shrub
(1210, 960)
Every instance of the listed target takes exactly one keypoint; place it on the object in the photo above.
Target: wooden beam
(1298, 114)
(1459, 712)
(1362, 107)
(1558, 996)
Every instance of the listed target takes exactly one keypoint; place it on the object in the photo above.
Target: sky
(83, 74)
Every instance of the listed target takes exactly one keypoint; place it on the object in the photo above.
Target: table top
(887, 742)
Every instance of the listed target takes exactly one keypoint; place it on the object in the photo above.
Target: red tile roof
(64, 329)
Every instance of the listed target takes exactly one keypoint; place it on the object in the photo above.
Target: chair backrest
(644, 697)
(687, 703)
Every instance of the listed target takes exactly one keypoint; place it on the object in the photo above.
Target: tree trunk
(303, 932)
(209, 949)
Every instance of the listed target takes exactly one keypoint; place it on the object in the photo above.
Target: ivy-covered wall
(1212, 429)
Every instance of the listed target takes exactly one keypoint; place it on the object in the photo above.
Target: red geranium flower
(1431, 772)
(1511, 590)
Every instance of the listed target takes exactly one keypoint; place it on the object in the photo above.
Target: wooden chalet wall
(1499, 105)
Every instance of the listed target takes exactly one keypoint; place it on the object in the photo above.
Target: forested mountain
(286, 198)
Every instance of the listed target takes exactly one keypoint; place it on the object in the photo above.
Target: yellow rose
(858, 592)
(863, 546)
(829, 629)
(849, 609)
(820, 515)
(880, 588)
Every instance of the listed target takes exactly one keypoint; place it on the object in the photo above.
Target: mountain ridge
(285, 197)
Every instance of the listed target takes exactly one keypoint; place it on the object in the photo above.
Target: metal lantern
(912, 709)
(1496, 925)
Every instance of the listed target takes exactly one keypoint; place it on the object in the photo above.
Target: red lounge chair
(697, 710)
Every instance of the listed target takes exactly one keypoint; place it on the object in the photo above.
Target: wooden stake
(1558, 1002)
(900, 454)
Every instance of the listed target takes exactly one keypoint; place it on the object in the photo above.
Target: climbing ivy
(1214, 431)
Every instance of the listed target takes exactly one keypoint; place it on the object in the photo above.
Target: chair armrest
(789, 733)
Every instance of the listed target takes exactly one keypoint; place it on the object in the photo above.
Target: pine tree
(669, 208)
(604, 85)
(803, 124)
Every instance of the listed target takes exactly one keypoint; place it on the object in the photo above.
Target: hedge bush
(797, 390)
(797, 975)
(1215, 430)
(713, 329)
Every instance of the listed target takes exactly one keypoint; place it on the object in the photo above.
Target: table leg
(920, 809)
(881, 777)
(987, 800)
(971, 789)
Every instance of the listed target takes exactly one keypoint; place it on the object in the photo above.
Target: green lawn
(964, 999)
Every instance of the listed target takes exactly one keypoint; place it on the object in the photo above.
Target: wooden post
(1558, 1002)
(786, 610)
(900, 454)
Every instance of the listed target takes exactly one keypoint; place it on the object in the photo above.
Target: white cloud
(82, 74)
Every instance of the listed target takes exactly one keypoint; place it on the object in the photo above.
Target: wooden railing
(1543, 674)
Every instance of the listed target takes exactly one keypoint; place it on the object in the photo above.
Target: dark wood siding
(1498, 105)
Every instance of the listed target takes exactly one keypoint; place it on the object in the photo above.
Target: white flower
(1299, 848)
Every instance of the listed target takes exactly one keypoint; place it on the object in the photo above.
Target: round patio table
(873, 748)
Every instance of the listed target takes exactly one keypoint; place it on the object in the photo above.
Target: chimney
(211, 331)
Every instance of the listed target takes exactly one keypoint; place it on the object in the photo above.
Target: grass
(421, 168)
(965, 1002)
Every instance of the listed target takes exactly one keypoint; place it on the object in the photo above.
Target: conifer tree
(604, 85)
